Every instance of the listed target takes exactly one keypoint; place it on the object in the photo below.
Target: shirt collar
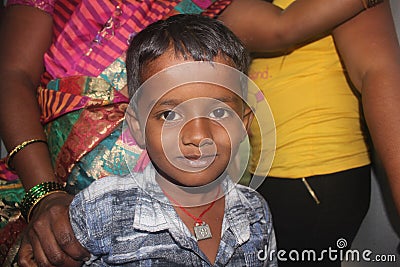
(154, 212)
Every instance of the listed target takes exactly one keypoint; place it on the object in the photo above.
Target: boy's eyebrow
(167, 102)
(228, 99)
(176, 102)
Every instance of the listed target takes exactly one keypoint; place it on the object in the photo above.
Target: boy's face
(193, 131)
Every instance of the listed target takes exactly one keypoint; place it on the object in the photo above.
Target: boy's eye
(170, 115)
(219, 113)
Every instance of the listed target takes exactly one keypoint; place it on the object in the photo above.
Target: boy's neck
(191, 197)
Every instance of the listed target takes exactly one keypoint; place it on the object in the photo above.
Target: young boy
(188, 112)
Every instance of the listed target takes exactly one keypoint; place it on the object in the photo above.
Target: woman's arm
(264, 27)
(370, 50)
(26, 35)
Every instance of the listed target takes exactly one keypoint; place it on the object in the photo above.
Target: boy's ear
(134, 126)
(247, 119)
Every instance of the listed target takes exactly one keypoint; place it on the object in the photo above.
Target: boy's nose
(197, 132)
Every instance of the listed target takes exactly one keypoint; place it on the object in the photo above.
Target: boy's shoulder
(252, 200)
(249, 193)
(105, 199)
(247, 212)
(109, 187)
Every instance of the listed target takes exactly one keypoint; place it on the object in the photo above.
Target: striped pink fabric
(76, 27)
(216, 8)
(77, 22)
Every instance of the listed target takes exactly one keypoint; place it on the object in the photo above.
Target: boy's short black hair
(192, 36)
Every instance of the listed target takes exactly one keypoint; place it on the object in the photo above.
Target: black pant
(301, 224)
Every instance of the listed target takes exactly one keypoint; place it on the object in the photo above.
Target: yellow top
(317, 114)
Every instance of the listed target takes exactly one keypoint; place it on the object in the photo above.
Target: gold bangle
(36, 201)
(365, 4)
(37, 193)
(18, 148)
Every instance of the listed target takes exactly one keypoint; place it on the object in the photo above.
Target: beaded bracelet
(370, 3)
(36, 194)
(18, 148)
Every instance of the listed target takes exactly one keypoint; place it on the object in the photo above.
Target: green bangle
(36, 194)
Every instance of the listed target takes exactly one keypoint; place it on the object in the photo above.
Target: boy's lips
(196, 161)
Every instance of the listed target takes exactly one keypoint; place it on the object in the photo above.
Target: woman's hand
(49, 239)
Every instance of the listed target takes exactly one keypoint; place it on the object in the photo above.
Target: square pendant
(202, 231)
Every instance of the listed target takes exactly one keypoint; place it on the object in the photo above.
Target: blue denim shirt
(121, 223)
